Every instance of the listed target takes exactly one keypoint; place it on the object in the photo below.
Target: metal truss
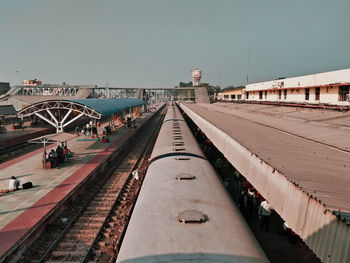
(162, 94)
(47, 90)
(58, 113)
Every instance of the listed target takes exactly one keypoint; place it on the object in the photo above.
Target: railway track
(96, 229)
(8, 153)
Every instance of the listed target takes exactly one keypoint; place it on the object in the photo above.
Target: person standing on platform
(264, 213)
(13, 184)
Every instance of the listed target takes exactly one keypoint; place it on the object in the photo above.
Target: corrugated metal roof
(305, 179)
(109, 106)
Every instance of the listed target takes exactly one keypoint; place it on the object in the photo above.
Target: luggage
(27, 185)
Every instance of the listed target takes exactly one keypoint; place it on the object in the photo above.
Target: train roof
(155, 232)
(175, 138)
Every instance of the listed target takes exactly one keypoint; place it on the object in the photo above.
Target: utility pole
(248, 65)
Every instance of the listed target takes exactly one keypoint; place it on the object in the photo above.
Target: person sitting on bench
(67, 152)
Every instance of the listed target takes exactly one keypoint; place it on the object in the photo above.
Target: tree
(184, 84)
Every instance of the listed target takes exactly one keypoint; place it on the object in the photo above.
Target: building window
(279, 94)
(265, 94)
(260, 94)
(233, 97)
(226, 96)
(239, 97)
(285, 94)
(317, 93)
(247, 95)
(343, 93)
(307, 93)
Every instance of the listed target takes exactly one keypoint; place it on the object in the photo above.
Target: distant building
(4, 87)
(234, 94)
(323, 88)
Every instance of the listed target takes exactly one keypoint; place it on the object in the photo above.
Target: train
(183, 212)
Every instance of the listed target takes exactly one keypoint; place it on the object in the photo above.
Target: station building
(234, 94)
(323, 88)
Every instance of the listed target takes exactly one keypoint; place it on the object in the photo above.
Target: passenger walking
(264, 213)
(135, 173)
(77, 131)
(13, 184)
(94, 132)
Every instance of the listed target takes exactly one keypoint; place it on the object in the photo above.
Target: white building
(323, 88)
(235, 94)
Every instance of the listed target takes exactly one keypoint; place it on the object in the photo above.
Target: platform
(22, 211)
(298, 159)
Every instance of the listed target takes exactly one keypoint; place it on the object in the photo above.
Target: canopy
(52, 138)
(62, 112)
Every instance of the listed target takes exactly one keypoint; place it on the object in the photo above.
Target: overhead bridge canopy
(57, 112)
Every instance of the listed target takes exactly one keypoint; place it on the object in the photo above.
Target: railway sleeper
(92, 209)
(104, 199)
(82, 231)
(80, 237)
(96, 217)
(102, 203)
(71, 246)
(70, 253)
(91, 220)
(93, 225)
(94, 213)
(110, 189)
(60, 261)
(106, 195)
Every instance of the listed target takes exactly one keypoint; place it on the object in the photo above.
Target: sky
(156, 43)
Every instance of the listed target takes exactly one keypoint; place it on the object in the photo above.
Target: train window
(192, 216)
(185, 176)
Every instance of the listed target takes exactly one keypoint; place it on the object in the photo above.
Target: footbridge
(148, 94)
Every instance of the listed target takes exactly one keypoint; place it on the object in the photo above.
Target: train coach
(183, 212)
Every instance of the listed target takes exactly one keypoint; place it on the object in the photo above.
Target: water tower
(196, 76)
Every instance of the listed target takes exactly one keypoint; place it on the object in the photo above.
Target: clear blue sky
(158, 42)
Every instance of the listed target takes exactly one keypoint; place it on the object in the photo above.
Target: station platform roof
(109, 106)
(93, 108)
(298, 159)
(101, 107)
